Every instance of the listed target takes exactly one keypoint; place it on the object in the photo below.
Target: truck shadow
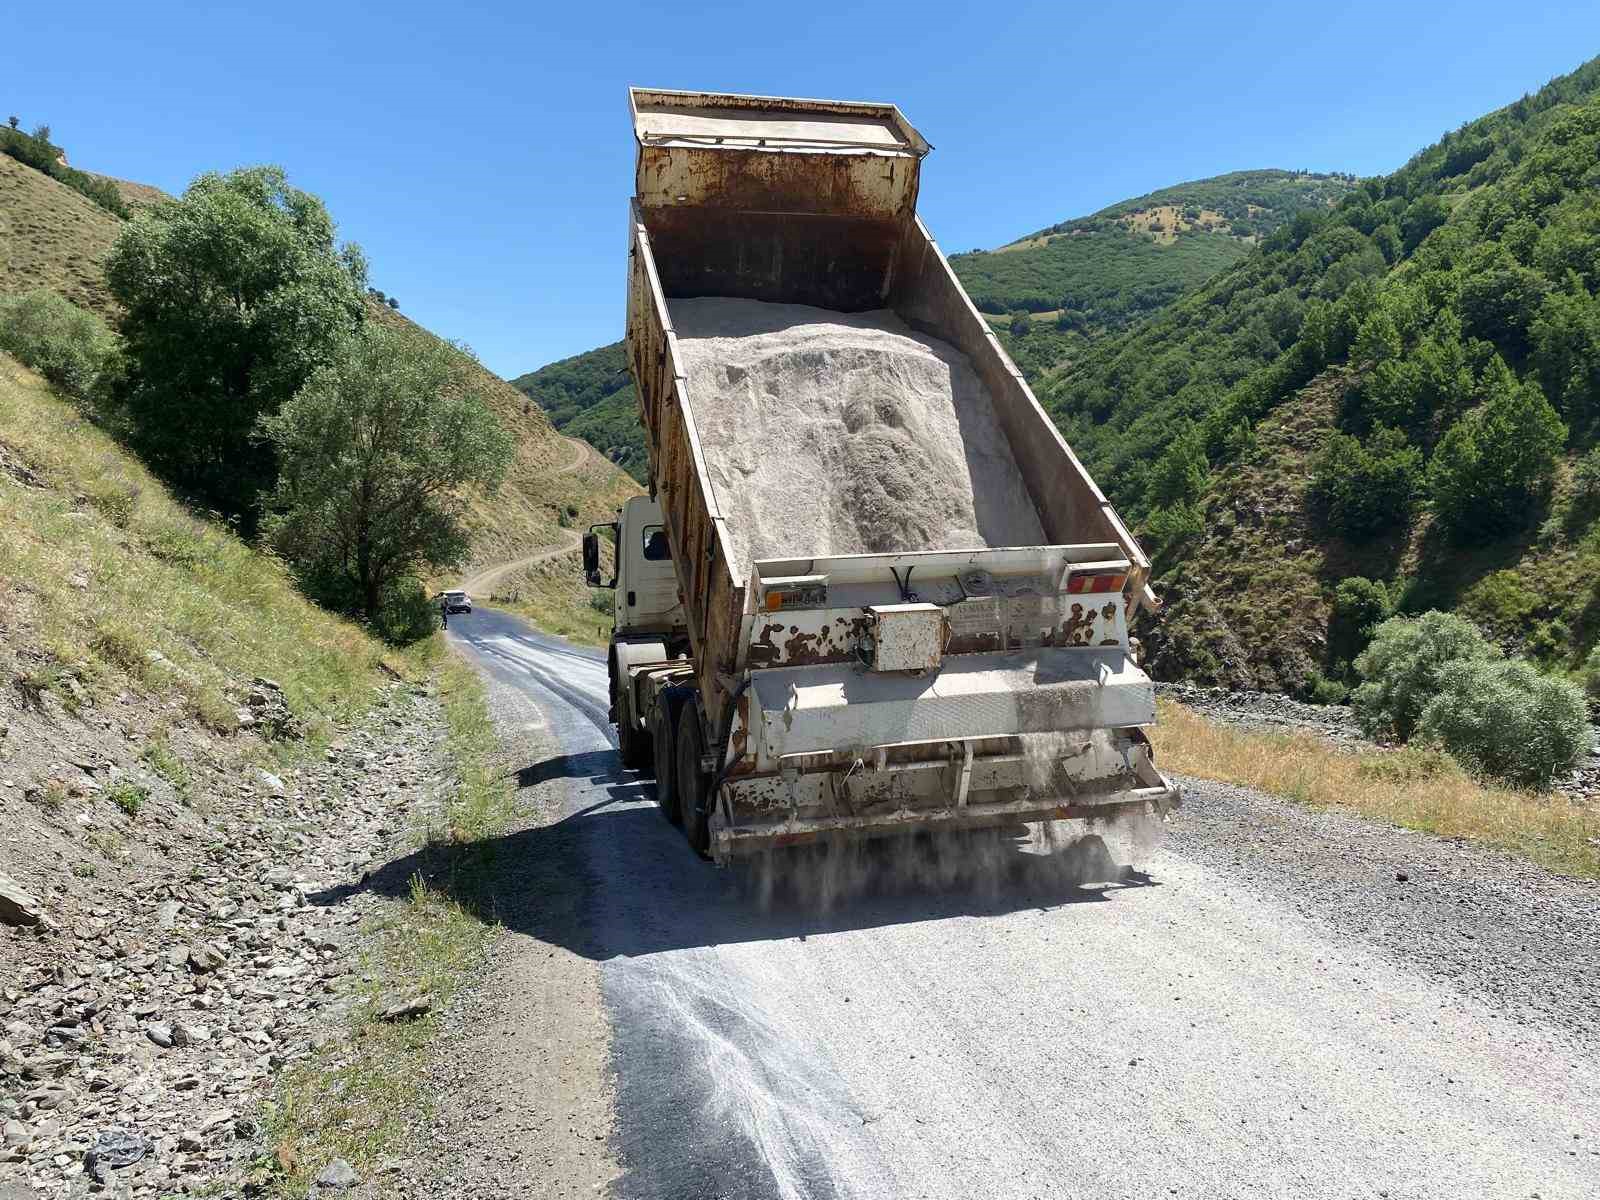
(613, 878)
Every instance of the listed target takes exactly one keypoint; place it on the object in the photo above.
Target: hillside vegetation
(1405, 389)
(1055, 290)
(54, 238)
(591, 396)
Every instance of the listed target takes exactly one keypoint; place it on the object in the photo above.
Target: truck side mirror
(591, 559)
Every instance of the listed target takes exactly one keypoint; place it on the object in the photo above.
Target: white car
(457, 602)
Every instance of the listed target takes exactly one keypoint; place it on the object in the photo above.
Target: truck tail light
(1095, 583)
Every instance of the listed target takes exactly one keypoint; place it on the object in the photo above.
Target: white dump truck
(872, 590)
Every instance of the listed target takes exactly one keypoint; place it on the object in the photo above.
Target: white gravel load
(831, 433)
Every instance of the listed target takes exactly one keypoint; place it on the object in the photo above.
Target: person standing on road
(444, 611)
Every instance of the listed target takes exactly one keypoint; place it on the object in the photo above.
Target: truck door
(647, 589)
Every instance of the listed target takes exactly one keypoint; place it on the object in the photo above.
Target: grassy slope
(101, 571)
(1112, 267)
(52, 237)
(591, 396)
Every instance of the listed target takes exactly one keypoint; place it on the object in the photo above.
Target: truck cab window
(655, 544)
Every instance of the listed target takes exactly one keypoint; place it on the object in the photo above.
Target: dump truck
(795, 697)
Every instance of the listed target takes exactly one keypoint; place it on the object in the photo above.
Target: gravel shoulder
(521, 1070)
(1487, 924)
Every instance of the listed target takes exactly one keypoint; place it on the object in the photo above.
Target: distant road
(483, 582)
(1284, 1003)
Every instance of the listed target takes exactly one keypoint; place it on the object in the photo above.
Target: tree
(1359, 607)
(1179, 475)
(233, 296)
(1494, 466)
(13, 121)
(1358, 490)
(1021, 323)
(1566, 354)
(374, 453)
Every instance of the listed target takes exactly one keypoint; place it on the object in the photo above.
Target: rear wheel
(694, 785)
(663, 734)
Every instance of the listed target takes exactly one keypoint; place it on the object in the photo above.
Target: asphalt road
(1262, 1009)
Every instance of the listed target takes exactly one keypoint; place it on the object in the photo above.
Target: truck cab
(646, 600)
(648, 623)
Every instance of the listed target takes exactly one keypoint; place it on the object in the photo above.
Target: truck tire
(664, 739)
(694, 785)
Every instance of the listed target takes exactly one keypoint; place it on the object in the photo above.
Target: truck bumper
(759, 813)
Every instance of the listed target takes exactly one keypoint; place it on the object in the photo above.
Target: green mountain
(1405, 387)
(591, 396)
(1076, 280)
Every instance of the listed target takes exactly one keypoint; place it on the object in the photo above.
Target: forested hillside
(591, 396)
(1056, 289)
(1405, 388)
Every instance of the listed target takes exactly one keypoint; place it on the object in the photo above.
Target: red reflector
(1079, 585)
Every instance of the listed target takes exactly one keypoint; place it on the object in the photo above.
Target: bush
(1359, 606)
(1591, 677)
(1401, 669)
(1319, 689)
(127, 796)
(406, 615)
(1360, 491)
(65, 344)
(1586, 481)
(1505, 719)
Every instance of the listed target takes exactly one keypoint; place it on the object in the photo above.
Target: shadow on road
(613, 878)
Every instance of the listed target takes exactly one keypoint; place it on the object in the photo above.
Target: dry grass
(52, 237)
(1414, 789)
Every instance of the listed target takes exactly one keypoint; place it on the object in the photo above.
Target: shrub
(1358, 490)
(1496, 463)
(1503, 718)
(1591, 677)
(65, 344)
(406, 614)
(1168, 528)
(127, 796)
(602, 600)
(1319, 689)
(1359, 606)
(1586, 481)
(1179, 476)
(1401, 667)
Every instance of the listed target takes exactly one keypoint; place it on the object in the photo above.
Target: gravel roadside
(1488, 923)
(521, 1067)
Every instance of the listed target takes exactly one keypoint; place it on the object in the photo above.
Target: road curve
(1207, 1026)
(483, 582)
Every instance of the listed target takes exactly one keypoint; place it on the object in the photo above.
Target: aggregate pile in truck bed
(832, 433)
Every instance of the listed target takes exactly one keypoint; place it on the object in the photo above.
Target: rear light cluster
(1094, 583)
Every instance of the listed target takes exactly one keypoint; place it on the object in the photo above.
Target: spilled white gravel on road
(1254, 1015)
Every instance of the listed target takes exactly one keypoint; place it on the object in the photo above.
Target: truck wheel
(694, 786)
(663, 731)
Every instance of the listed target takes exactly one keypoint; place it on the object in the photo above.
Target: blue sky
(482, 156)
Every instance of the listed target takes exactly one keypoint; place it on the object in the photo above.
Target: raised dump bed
(903, 602)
